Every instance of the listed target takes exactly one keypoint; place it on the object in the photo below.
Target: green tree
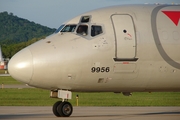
(17, 33)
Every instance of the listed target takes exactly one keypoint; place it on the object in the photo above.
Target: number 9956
(100, 69)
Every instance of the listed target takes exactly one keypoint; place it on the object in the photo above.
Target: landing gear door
(125, 40)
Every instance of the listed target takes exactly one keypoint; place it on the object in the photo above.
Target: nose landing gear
(62, 108)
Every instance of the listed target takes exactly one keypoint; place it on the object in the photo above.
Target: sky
(52, 13)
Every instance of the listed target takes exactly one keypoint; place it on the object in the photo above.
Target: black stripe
(122, 59)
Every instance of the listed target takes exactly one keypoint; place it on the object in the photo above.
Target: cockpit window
(85, 19)
(96, 30)
(69, 28)
(82, 29)
(59, 28)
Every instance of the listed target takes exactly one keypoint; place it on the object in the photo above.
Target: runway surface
(91, 113)
(4, 75)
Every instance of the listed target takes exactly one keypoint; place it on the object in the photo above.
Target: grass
(7, 80)
(39, 97)
(137, 99)
(25, 97)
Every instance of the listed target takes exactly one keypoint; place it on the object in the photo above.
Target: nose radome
(20, 66)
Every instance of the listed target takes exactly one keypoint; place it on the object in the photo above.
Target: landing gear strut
(62, 108)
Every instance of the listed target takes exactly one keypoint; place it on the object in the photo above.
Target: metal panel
(125, 36)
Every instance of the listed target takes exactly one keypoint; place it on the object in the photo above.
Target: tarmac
(91, 113)
(4, 75)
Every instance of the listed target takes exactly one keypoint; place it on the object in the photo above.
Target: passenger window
(69, 28)
(82, 29)
(85, 19)
(96, 30)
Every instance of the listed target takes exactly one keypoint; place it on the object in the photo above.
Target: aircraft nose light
(20, 66)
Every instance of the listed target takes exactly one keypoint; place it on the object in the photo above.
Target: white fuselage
(137, 50)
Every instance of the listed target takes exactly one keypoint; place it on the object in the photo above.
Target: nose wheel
(62, 109)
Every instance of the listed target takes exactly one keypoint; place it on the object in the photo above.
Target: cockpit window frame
(85, 19)
(89, 24)
(72, 30)
(60, 28)
(96, 33)
(84, 31)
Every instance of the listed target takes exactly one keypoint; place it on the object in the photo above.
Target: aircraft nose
(20, 66)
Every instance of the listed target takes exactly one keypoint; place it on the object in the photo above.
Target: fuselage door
(125, 39)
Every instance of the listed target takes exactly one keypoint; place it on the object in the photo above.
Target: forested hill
(14, 29)
(18, 32)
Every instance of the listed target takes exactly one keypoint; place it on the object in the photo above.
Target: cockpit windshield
(59, 28)
(84, 28)
(67, 28)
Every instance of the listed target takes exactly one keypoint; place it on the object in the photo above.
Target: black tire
(55, 110)
(65, 109)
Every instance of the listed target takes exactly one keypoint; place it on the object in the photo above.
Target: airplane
(120, 49)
